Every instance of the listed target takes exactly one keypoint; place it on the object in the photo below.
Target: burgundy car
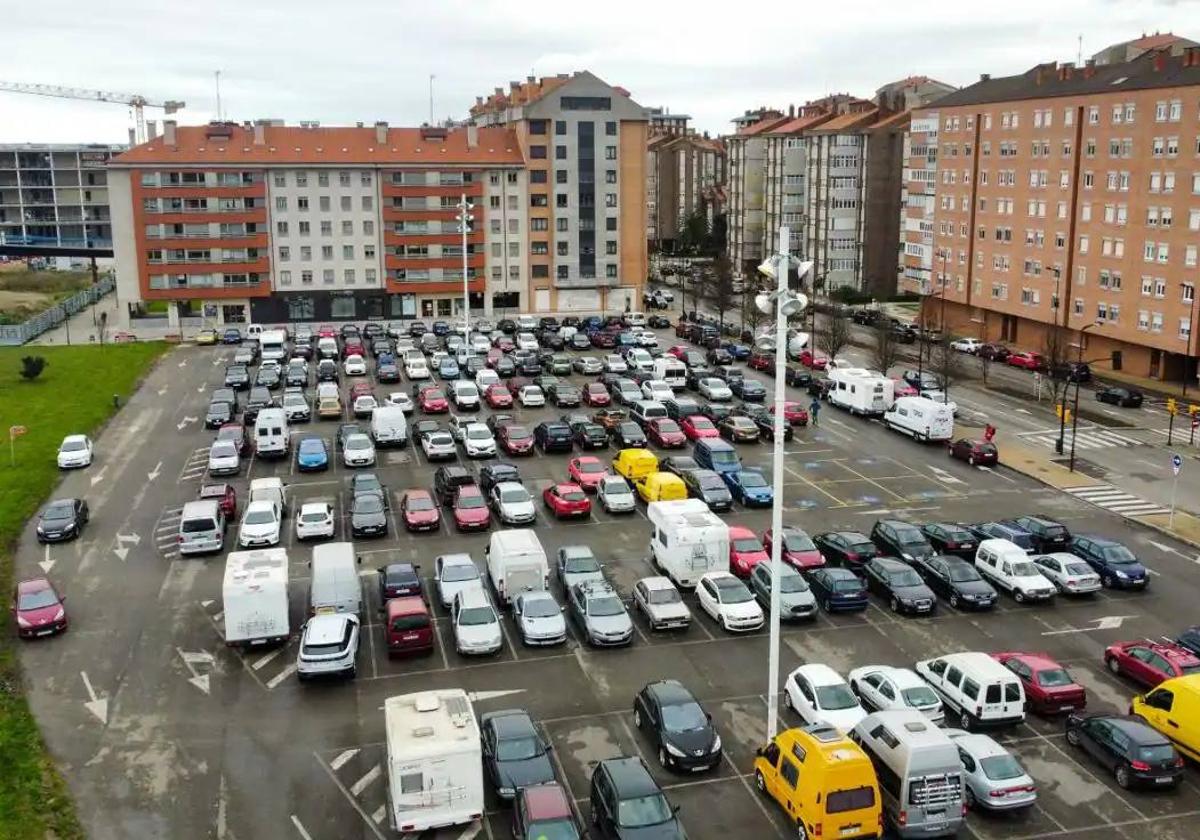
(798, 549)
(595, 394)
(794, 413)
(497, 396)
(666, 433)
(604, 340)
(975, 452)
(419, 511)
(1049, 687)
(543, 811)
(38, 608)
(515, 440)
(225, 496)
(236, 433)
(1149, 662)
(471, 512)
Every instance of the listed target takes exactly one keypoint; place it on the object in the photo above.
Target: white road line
(264, 659)
(361, 785)
(379, 814)
(300, 828)
(342, 758)
(281, 676)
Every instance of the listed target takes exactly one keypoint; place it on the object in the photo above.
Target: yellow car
(1173, 708)
(634, 463)
(207, 337)
(660, 487)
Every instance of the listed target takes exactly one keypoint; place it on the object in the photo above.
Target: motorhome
(434, 760)
(687, 540)
(254, 597)
(273, 344)
(921, 418)
(516, 563)
(335, 586)
(919, 771)
(860, 391)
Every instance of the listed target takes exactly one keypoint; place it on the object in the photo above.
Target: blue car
(738, 351)
(1116, 565)
(837, 589)
(448, 369)
(312, 454)
(749, 487)
(232, 335)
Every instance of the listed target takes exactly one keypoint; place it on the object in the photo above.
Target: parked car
(847, 549)
(539, 619)
(615, 495)
(659, 601)
(992, 779)
(1049, 687)
(956, 580)
(328, 646)
(729, 602)
(1126, 746)
(796, 600)
(900, 585)
(678, 727)
(567, 500)
(626, 802)
(818, 694)
(514, 754)
(600, 614)
(1069, 574)
(975, 452)
(1149, 662)
(837, 589)
(883, 688)
(419, 512)
(1120, 396)
(950, 538)
(1027, 360)
(898, 538)
(749, 487)
(1117, 566)
(1047, 535)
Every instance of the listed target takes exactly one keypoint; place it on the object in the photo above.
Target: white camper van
(272, 438)
(860, 391)
(434, 760)
(335, 587)
(516, 563)
(687, 540)
(254, 597)
(921, 418)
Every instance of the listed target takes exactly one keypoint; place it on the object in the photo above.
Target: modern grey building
(55, 195)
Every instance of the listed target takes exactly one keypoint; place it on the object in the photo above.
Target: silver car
(512, 503)
(296, 407)
(475, 622)
(796, 600)
(661, 603)
(453, 573)
(615, 495)
(883, 687)
(600, 614)
(1069, 574)
(539, 619)
(577, 564)
(995, 781)
(328, 646)
(588, 365)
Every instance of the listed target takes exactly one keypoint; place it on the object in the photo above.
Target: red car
(359, 389)
(235, 432)
(595, 394)
(543, 811)
(698, 427)
(1149, 662)
(975, 452)
(497, 396)
(225, 496)
(432, 400)
(471, 512)
(515, 439)
(505, 344)
(679, 351)
(798, 549)
(419, 511)
(604, 340)
(761, 361)
(39, 608)
(794, 413)
(807, 359)
(1028, 361)
(586, 471)
(326, 331)
(1049, 688)
(567, 500)
(745, 551)
(666, 433)
(353, 347)
(900, 388)
(494, 355)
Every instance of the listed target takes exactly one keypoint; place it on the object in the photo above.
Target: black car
(901, 539)
(719, 356)
(951, 538)
(398, 580)
(474, 364)
(957, 580)
(580, 341)
(440, 328)
(366, 482)
(237, 376)
(896, 581)
(218, 414)
(259, 399)
(1003, 531)
(226, 395)
(529, 366)
(368, 515)
(678, 727)
(848, 549)
(514, 752)
(1072, 372)
(424, 427)
(680, 407)
(1124, 744)
(1048, 535)
(838, 590)
(497, 421)
(729, 374)
(505, 367)
(1123, 397)
(553, 436)
(708, 487)
(626, 802)
(694, 375)
(717, 412)
(922, 380)
(658, 322)
(232, 335)
(446, 481)
(589, 435)
(748, 390)
(565, 394)
(62, 520)
(1190, 639)
(678, 464)
(819, 388)
(296, 376)
(327, 371)
(268, 377)
(765, 421)
(552, 341)
(494, 474)
(387, 372)
(507, 326)
(628, 434)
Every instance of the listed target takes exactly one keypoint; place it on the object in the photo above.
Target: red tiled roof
(289, 145)
(762, 126)
(1150, 42)
(861, 119)
(794, 126)
(899, 119)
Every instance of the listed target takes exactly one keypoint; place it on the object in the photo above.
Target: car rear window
(404, 623)
(1159, 752)
(840, 801)
(198, 526)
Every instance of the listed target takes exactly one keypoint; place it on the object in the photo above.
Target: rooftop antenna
(217, 76)
(1079, 53)
(431, 78)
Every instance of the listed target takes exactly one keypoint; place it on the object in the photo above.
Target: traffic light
(1062, 412)
(1172, 407)
(1194, 409)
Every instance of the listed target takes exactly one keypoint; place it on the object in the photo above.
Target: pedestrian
(814, 411)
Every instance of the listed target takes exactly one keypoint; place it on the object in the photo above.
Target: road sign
(1176, 463)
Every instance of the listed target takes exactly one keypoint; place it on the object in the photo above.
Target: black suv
(565, 394)
(493, 474)
(553, 436)
(589, 435)
(259, 399)
(900, 539)
(237, 376)
(447, 480)
(617, 781)
(1047, 534)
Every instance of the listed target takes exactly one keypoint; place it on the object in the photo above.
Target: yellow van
(824, 782)
(1173, 708)
(635, 463)
(661, 487)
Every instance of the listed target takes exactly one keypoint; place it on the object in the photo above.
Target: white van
(254, 597)
(269, 489)
(1008, 567)
(272, 438)
(687, 540)
(201, 528)
(516, 563)
(389, 426)
(635, 319)
(672, 371)
(921, 418)
(980, 690)
(253, 331)
(273, 344)
(335, 587)
(860, 391)
(526, 323)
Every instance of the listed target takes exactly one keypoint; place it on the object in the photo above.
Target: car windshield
(37, 599)
(1001, 767)
(1119, 555)
(541, 608)
(514, 495)
(73, 446)
(469, 501)
(475, 616)
(684, 717)
(478, 434)
(721, 456)
(459, 572)
(643, 811)
(313, 516)
(368, 503)
(312, 446)
(605, 605)
(919, 697)
(357, 443)
(260, 517)
(833, 697)
(581, 565)
(1054, 677)
(1078, 568)
(792, 583)
(223, 449)
(798, 542)
(701, 422)
(572, 495)
(1024, 570)
(753, 479)
(421, 502)
(518, 749)
(963, 573)
(616, 487)
(906, 578)
(711, 482)
(590, 467)
(747, 544)
(664, 596)
(517, 432)
(733, 592)
(440, 439)
(668, 426)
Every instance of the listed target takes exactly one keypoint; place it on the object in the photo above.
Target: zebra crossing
(166, 532)
(1115, 500)
(1092, 437)
(196, 464)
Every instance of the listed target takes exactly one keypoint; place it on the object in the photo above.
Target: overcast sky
(363, 60)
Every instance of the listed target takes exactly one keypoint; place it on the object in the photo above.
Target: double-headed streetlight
(465, 218)
(783, 304)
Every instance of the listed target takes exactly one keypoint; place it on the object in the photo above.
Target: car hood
(670, 611)
(472, 514)
(369, 518)
(1134, 571)
(312, 457)
(974, 587)
(746, 609)
(260, 530)
(419, 516)
(222, 460)
(758, 492)
(806, 559)
(517, 508)
(478, 634)
(787, 600)
(694, 742)
(843, 719)
(609, 623)
(42, 615)
(669, 830)
(520, 774)
(913, 592)
(549, 626)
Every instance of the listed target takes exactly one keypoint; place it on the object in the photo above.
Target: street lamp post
(1062, 414)
(1075, 410)
(1187, 350)
(464, 225)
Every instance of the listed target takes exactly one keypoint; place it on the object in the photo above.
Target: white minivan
(201, 527)
(921, 418)
(976, 687)
(335, 585)
(271, 435)
(1008, 567)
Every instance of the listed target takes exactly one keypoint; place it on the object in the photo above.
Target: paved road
(162, 731)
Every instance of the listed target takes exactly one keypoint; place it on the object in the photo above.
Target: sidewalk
(84, 326)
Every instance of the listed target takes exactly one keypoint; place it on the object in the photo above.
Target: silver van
(335, 586)
(201, 528)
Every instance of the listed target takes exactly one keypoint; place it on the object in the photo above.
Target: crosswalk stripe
(342, 758)
(1116, 500)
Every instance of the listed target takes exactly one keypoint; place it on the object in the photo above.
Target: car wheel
(801, 833)
(787, 702)
(1108, 581)
(828, 605)
(760, 782)
(1123, 777)
(971, 804)
(1018, 596)
(1073, 737)
(971, 460)
(1114, 665)
(895, 604)
(954, 599)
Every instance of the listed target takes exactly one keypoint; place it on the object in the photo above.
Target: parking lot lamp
(783, 304)
(1075, 410)
(464, 225)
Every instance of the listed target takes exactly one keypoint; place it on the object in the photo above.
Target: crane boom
(133, 100)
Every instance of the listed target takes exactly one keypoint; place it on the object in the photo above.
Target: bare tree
(885, 352)
(752, 316)
(1057, 350)
(946, 363)
(985, 367)
(719, 289)
(834, 332)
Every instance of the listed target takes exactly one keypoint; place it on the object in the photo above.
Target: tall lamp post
(783, 305)
(464, 225)
(1187, 350)
(1075, 410)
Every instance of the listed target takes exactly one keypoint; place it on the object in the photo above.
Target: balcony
(587, 283)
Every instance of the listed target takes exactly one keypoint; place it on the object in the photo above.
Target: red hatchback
(515, 440)
(698, 427)
(543, 811)
(761, 361)
(235, 432)
(1049, 688)
(794, 413)
(679, 351)
(225, 496)
(408, 628)
(745, 551)
(975, 452)
(1028, 361)
(432, 400)
(586, 471)
(567, 500)
(666, 433)
(471, 512)
(38, 608)
(595, 394)
(807, 359)
(497, 396)
(798, 549)
(419, 511)
(1149, 662)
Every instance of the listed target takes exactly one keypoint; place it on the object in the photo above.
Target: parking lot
(164, 731)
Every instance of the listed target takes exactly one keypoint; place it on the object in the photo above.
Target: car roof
(819, 674)
(740, 531)
(36, 584)
(657, 582)
(1036, 661)
(311, 506)
(326, 628)
(418, 493)
(260, 504)
(511, 723)
(670, 692)
(630, 777)
(546, 801)
(836, 572)
(408, 605)
(74, 438)
(976, 743)
(400, 570)
(473, 598)
(1136, 728)
(891, 564)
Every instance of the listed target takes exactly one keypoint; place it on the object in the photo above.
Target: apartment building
(662, 121)
(584, 146)
(746, 218)
(271, 223)
(1065, 197)
(52, 194)
(685, 173)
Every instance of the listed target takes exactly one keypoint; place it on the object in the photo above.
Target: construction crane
(135, 101)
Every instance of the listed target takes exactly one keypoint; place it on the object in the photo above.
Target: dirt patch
(25, 293)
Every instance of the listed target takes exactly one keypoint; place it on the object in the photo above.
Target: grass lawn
(73, 394)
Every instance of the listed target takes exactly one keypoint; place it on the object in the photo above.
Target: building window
(281, 228)
(539, 272)
(369, 276)
(563, 272)
(610, 223)
(281, 202)
(348, 276)
(280, 179)
(560, 152)
(368, 251)
(537, 126)
(327, 276)
(610, 248)
(326, 252)
(326, 228)
(539, 224)
(539, 201)
(306, 278)
(539, 248)
(344, 179)
(610, 128)
(537, 176)
(345, 202)
(537, 152)
(561, 224)
(285, 253)
(285, 278)
(610, 152)
(347, 252)
(562, 248)
(610, 271)
(305, 228)
(560, 200)
(560, 127)
(610, 199)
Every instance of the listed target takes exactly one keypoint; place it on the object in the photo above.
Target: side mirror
(674, 809)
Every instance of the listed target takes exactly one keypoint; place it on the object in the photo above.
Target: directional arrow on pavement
(179, 426)
(183, 362)
(163, 390)
(96, 705)
(47, 564)
(99, 476)
(154, 473)
(1108, 622)
(200, 389)
(121, 550)
(190, 661)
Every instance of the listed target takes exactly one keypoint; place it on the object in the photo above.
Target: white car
(526, 341)
(365, 405)
(478, 442)
(714, 390)
(614, 364)
(531, 396)
(485, 378)
(328, 646)
(660, 602)
(513, 504)
(883, 687)
(223, 458)
(818, 694)
(587, 365)
(657, 390)
(403, 400)
(75, 451)
(1016, 575)
(438, 446)
(615, 495)
(415, 368)
(475, 622)
(646, 339)
(358, 450)
(966, 345)
(539, 618)
(639, 359)
(729, 602)
(260, 525)
(354, 365)
(939, 396)
(296, 407)
(315, 521)
(480, 344)
(454, 573)
(1069, 574)
(464, 394)
(457, 425)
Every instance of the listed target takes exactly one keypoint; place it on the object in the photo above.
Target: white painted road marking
(281, 676)
(1116, 500)
(342, 758)
(1108, 622)
(361, 785)
(96, 705)
(300, 828)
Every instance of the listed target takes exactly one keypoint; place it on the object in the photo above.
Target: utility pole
(217, 76)
(431, 78)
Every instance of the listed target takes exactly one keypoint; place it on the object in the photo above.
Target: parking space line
(300, 828)
(816, 487)
(265, 659)
(507, 641)
(353, 801)
(281, 676)
(562, 774)
(371, 775)
(841, 462)
(633, 738)
(753, 794)
(1074, 760)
